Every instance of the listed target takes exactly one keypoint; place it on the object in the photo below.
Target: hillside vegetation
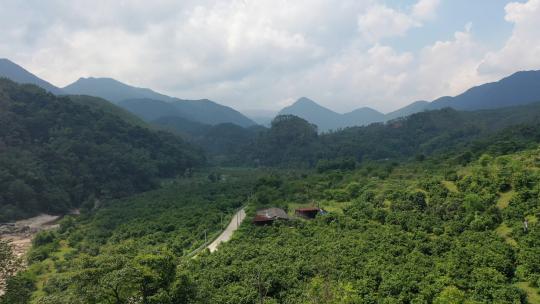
(418, 232)
(59, 152)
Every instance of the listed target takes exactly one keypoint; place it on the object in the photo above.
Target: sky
(257, 55)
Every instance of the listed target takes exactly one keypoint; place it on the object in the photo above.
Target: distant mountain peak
(327, 119)
(305, 100)
(15, 72)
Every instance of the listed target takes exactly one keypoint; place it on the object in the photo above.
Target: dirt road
(228, 232)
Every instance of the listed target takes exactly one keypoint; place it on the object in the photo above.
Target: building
(309, 212)
(269, 215)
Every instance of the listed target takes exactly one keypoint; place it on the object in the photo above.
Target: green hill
(57, 153)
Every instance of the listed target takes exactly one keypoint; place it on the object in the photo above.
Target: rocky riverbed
(20, 233)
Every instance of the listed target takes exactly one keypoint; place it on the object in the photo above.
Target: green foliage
(57, 153)
(130, 249)
(20, 288)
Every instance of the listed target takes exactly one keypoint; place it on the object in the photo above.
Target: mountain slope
(209, 112)
(150, 109)
(57, 154)
(11, 70)
(362, 116)
(415, 107)
(517, 89)
(112, 90)
(150, 105)
(201, 111)
(326, 119)
(99, 104)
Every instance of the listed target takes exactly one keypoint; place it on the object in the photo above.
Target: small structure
(309, 212)
(268, 216)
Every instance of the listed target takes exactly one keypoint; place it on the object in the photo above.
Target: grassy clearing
(533, 297)
(451, 186)
(504, 231)
(504, 199)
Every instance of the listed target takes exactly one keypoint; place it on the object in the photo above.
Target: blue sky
(264, 54)
(486, 17)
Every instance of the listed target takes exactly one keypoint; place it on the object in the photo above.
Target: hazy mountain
(326, 119)
(112, 90)
(149, 109)
(13, 71)
(415, 107)
(209, 112)
(202, 111)
(151, 105)
(518, 89)
(362, 116)
(260, 116)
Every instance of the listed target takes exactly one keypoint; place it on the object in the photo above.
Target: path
(231, 228)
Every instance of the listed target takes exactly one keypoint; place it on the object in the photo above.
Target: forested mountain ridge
(11, 70)
(150, 105)
(293, 141)
(56, 153)
(145, 103)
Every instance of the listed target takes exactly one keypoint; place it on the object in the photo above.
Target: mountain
(182, 126)
(100, 104)
(326, 119)
(362, 116)
(112, 90)
(150, 109)
(13, 71)
(415, 107)
(58, 153)
(202, 111)
(209, 112)
(518, 89)
(150, 105)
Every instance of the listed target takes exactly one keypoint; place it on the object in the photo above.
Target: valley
(190, 201)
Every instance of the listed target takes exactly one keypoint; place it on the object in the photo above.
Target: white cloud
(260, 54)
(522, 49)
(448, 67)
(425, 9)
(380, 22)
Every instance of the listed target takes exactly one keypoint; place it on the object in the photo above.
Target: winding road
(228, 232)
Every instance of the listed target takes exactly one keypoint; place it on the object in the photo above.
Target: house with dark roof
(269, 215)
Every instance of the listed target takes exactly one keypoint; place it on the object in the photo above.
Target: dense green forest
(430, 208)
(58, 153)
(292, 141)
(423, 231)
